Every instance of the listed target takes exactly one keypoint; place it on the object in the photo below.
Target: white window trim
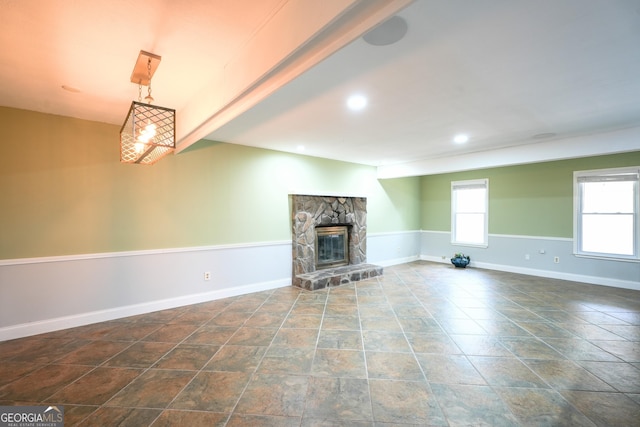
(470, 183)
(577, 218)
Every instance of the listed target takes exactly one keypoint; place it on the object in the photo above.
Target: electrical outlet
(556, 259)
(207, 275)
(527, 257)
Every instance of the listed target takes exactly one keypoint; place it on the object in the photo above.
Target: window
(606, 213)
(469, 212)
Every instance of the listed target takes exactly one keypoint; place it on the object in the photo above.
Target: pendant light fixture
(149, 131)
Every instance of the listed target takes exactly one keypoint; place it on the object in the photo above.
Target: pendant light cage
(149, 131)
(148, 134)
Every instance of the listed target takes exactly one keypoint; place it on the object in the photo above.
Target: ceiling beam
(297, 37)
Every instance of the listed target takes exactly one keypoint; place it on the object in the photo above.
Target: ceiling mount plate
(140, 74)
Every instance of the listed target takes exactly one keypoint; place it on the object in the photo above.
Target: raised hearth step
(320, 279)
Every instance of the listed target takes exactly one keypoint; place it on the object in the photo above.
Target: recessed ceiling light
(300, 148)
(356, 102)
(461, 138)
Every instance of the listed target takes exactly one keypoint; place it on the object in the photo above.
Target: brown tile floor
(426, 344)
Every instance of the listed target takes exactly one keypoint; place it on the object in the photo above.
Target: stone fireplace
(329, 236)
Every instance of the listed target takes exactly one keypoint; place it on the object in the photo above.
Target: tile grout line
(315, 351)
(144, 370)
(105, 404)
(364, 352)
(415, 357)
(102, 365)
(255, 371)
(488, 384)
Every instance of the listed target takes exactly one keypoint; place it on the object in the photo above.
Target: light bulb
(147, 133)
(151, 128)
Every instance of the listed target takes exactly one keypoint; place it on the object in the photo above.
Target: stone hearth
(309, 212)
(320, 279)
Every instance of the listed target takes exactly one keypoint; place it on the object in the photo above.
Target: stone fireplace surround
(309, 212)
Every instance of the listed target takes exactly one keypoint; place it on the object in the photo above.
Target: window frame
(605, 174)
(472, 183)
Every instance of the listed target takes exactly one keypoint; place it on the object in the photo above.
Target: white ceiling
(92, 46)
(500, 71)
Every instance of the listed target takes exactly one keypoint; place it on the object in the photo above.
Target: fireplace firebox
(332, 246)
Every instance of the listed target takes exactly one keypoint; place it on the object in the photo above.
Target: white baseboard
(593, 280)
(396, 261)
(434, 259)
(50, 325)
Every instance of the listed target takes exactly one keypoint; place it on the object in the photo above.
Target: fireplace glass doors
(332, 246)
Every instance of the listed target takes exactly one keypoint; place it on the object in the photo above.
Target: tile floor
(426, 344)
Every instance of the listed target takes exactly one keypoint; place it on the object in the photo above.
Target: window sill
(607, 258)
(470, 245)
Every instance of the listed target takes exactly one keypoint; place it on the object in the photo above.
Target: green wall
(528, 200)
(64, 192)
